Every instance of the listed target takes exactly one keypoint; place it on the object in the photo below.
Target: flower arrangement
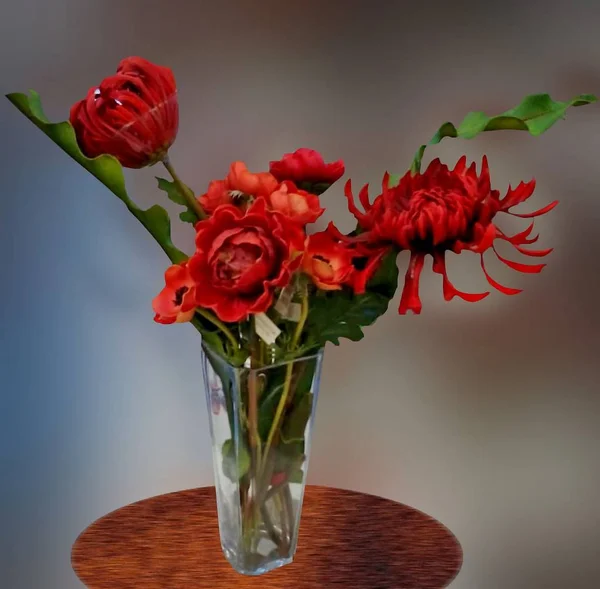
(267, 294)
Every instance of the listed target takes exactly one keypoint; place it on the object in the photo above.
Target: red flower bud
(306, 166)
(132, 115)
(297, 205)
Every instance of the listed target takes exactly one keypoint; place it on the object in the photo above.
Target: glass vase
(261, 422)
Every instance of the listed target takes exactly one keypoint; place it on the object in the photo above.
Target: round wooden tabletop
(347, 539)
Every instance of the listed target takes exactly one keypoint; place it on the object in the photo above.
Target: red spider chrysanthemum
(445, 210)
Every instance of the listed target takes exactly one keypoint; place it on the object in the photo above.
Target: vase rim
(315, 355)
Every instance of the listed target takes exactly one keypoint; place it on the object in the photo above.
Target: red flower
(298, 205)
(242, 180)
(132, 115)
(217, 194)
(443, 210)
(176, 303)
(327, 261)
(307, 166)
(241, 258)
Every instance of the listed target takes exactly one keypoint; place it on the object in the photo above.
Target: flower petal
(519, 267)
(507, 290)
(543, 211)
(450, 291)
(534, 253)
(410, 300)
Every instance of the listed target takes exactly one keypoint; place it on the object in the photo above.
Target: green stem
(288, 380)
(191, 200)
(218, 323)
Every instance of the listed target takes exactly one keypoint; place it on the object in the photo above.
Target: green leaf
(385, 280)
(394, 179)
(294, 426)
(290, 457)
(235, 466)
(175, 195)
(188, 217)
(296, 476)
(340, 313)
(105, 167)
(267, 408)
(536, 114)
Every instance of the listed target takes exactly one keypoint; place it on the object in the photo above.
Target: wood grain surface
(347, 539)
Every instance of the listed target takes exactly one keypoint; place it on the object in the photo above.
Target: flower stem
(218, 323)
(288, 380)
(191, 200)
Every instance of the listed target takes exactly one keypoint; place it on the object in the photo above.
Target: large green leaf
(175, 195)
(105, 167)
(536, 114)
(340, 313)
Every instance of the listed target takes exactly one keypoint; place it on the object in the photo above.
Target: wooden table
(347, 539)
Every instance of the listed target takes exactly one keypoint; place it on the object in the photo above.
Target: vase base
(246, 568)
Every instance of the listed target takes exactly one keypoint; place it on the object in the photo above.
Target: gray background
(485, 416)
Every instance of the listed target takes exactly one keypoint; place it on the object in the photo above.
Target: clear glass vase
(261, 422)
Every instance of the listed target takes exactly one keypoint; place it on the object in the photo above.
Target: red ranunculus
(298, 205)
(242, 180)
(217, 194)
(132, 115)
(327, 261)
(239, 188)
(176, 303)
(306, 166)
(241, 258)
(445, 210)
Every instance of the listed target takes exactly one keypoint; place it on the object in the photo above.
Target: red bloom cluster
(444, 210)
(248, 247)
(241, 187)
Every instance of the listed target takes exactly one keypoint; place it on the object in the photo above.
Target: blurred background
(483, 415)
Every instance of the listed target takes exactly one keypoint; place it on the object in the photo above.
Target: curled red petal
(520, 194)
(534, 253)
(363, 196)
(410, 300)
(518, 238)
(360, 217)
(450, 291)
(361, 277)
(507, 290)
(543, 211)
(519, 267)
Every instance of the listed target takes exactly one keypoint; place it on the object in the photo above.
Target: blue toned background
(485, 416)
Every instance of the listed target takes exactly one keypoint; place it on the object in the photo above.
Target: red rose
(176, 303)
(297, 205)
(306, 166)
(327, 261)
(445, 210)
(240, 259)
(132, 115)
(240, 179)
